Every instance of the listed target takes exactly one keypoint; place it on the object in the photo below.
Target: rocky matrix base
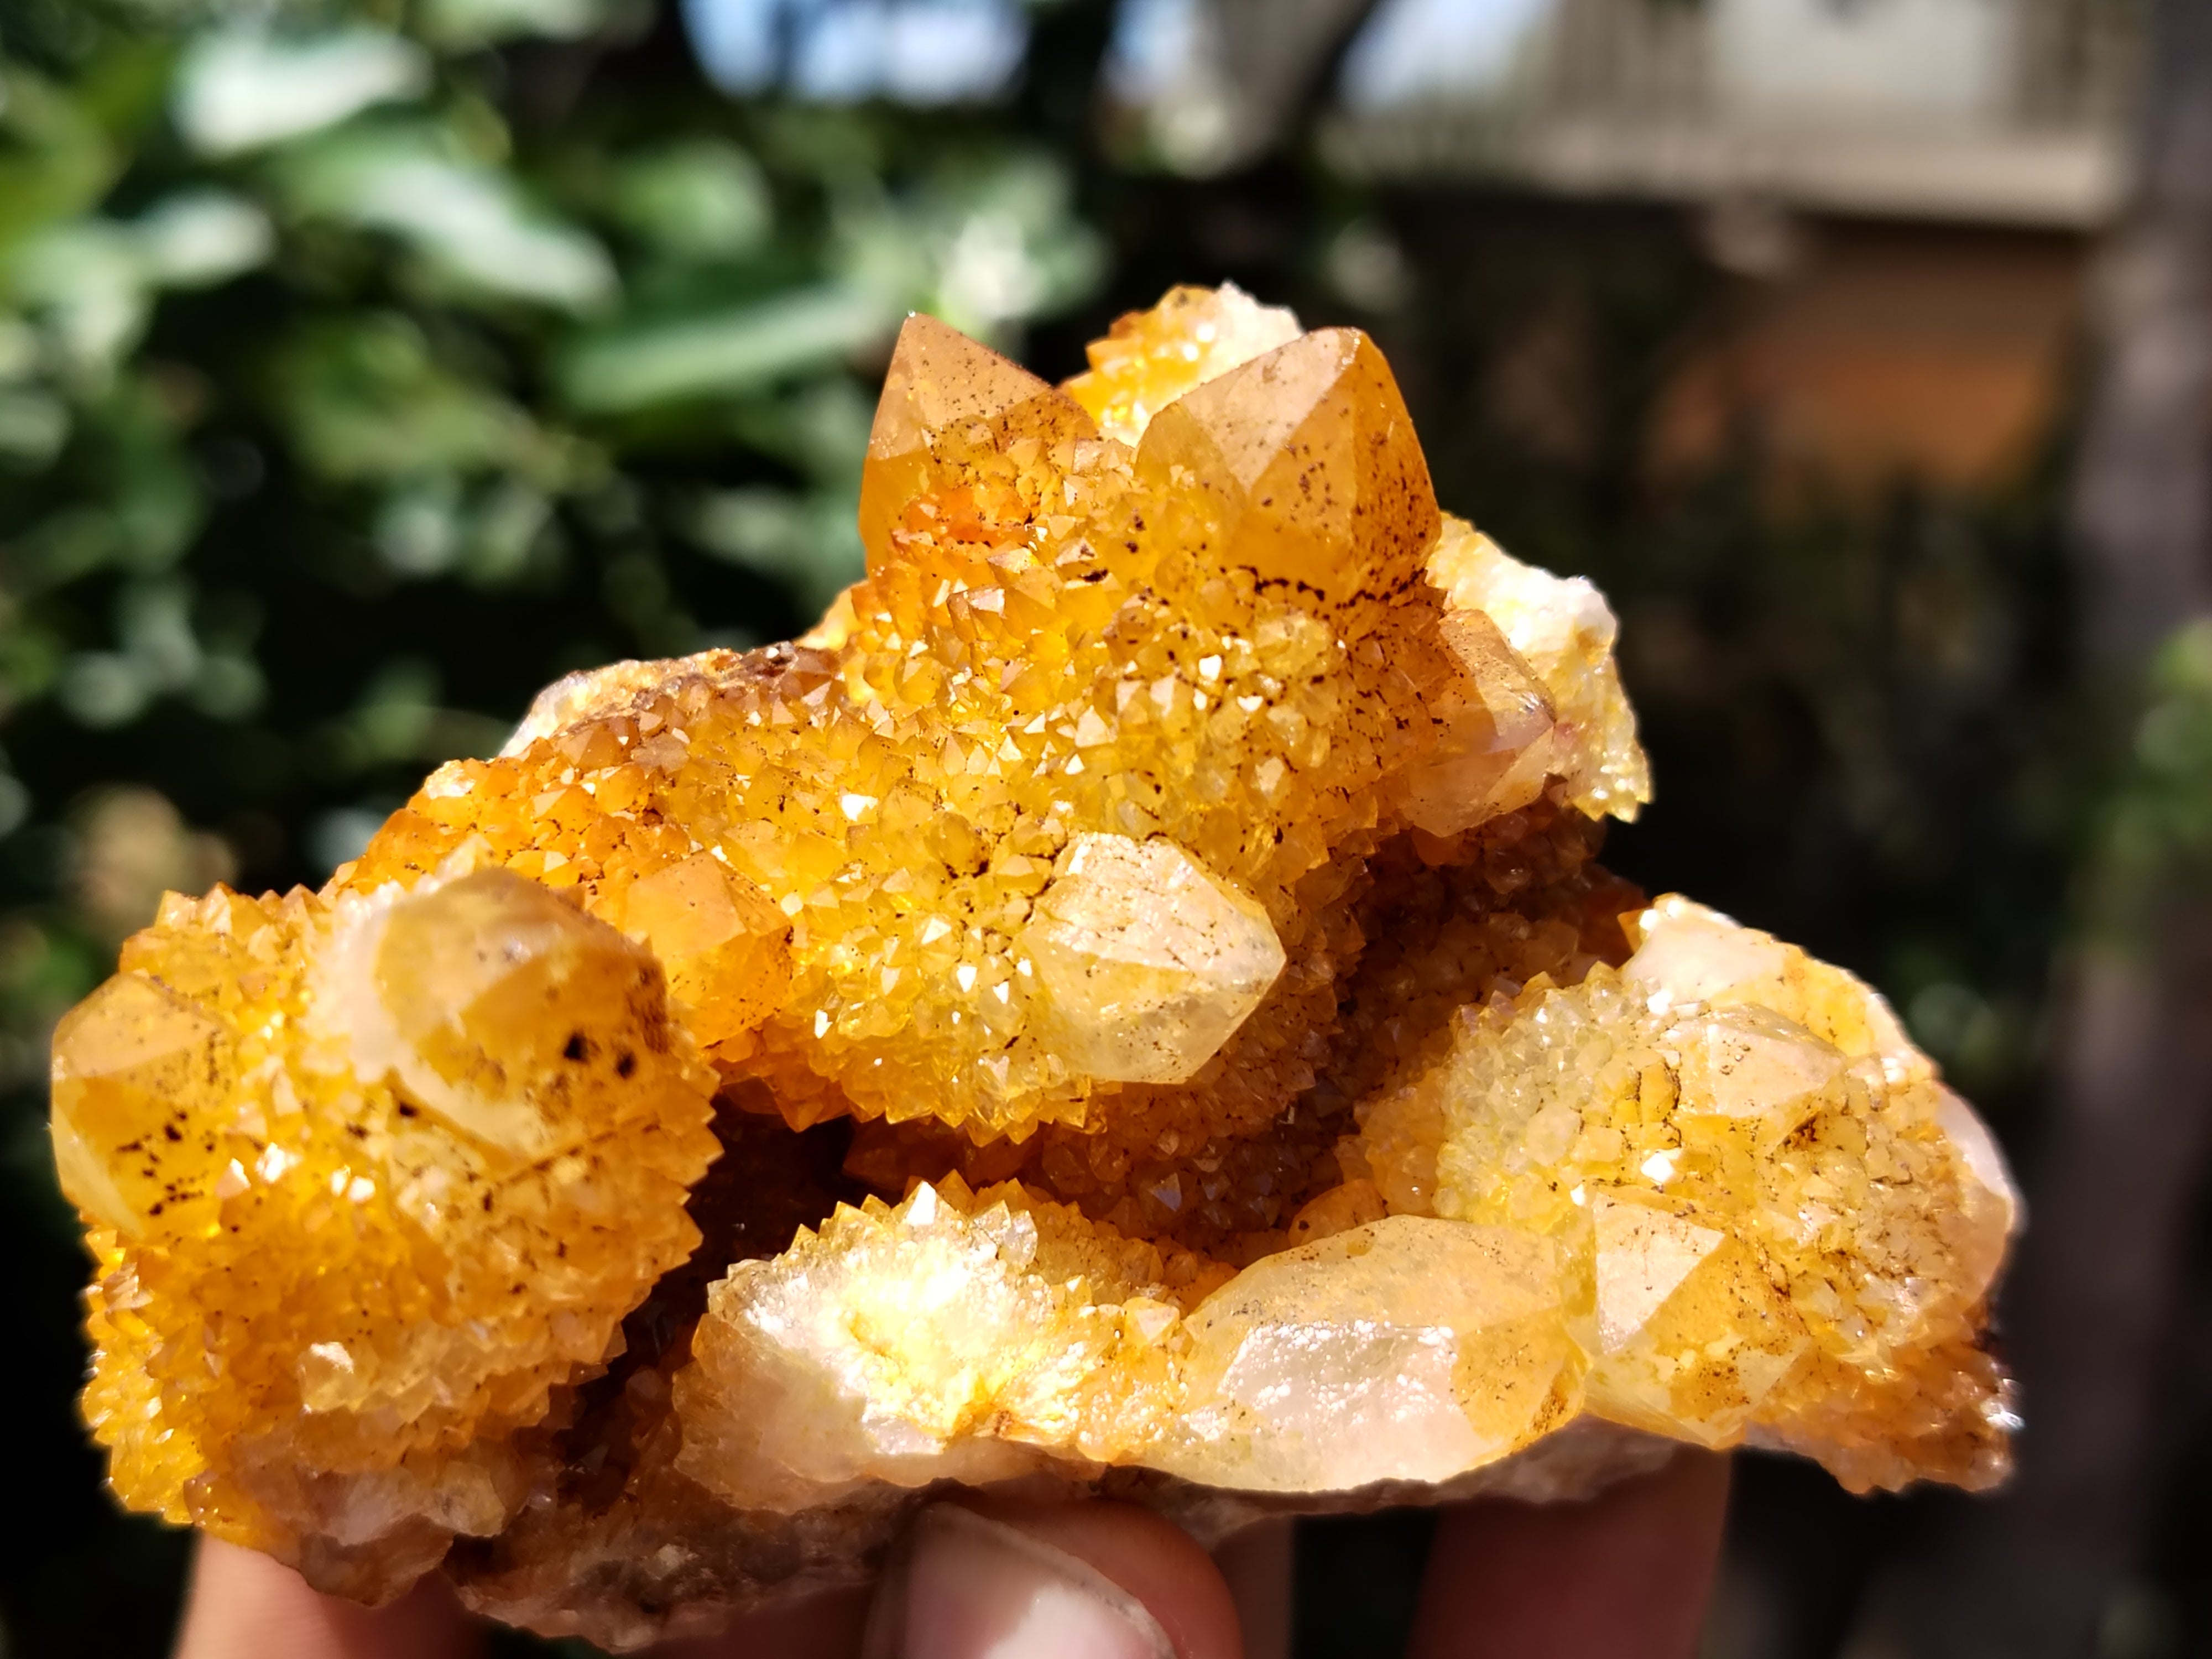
(1129, 1001)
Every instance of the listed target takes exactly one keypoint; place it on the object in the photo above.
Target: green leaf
(72, 541)
(92, 279)
(103, 689)
(365, 401)
(86, 282)
(399, 720)
(427, 529)
(34, 426)
(199, 238)
(463, 25)
(811, 543)
(229, 687)
(157, 503)
(465, 219)
(821, 428)
(634, 366)
(60, 159)
(986, 247)
(245, 89)
(154, 621)
(701, 200)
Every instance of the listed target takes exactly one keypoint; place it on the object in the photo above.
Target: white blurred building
(2007, 112)
(2001, 110)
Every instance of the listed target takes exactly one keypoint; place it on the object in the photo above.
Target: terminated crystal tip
(1131, 996)
(1146, 963)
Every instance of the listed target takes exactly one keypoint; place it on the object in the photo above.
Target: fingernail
(962, 1586)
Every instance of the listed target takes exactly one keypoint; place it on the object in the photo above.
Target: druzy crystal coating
(1128, 1002)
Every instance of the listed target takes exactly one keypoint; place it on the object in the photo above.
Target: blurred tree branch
(1282, 57)
(2143, 510)
(2103, 1282)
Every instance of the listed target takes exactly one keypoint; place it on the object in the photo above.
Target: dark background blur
(365, 364)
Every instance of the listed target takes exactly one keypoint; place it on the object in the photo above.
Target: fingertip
(1152, 1558)
(241, 1603)
(1091, 1580)
(1259, 1564)
(1626, 1573)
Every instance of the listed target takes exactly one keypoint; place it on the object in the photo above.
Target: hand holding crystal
(1623, 1576)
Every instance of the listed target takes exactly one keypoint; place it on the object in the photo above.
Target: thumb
(1094, 1580)
(244, 1604)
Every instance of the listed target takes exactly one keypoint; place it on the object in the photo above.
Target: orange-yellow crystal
(1142, 965)
(367, 1175)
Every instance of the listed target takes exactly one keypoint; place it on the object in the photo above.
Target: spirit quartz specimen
(1129, 1001)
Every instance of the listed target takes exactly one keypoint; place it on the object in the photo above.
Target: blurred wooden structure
(1939, 352)
(1909, 188)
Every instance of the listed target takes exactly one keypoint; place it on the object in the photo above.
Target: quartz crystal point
(1128, 1002)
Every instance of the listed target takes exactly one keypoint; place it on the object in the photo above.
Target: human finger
(242, 1605)
(1000, 1579)
(1623, 1576)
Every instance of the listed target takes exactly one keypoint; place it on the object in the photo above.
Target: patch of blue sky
(1430, 51)
(918, 51)
(1154, 45)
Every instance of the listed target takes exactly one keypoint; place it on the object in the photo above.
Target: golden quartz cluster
(1128, 1002)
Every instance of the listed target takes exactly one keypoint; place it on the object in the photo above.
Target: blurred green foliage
(364, 366)
(2158, 824)
(329, 328)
